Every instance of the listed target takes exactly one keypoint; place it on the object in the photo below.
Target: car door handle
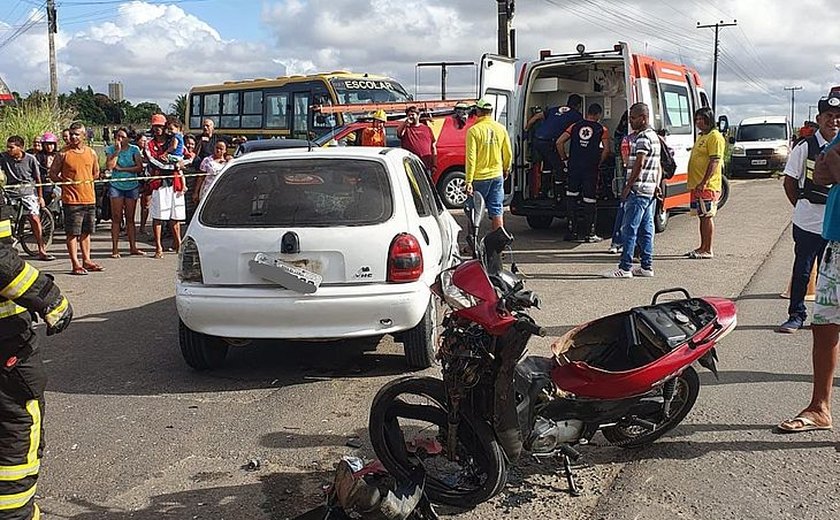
(689, 148)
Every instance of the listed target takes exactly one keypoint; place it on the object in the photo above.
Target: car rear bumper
(332, 312)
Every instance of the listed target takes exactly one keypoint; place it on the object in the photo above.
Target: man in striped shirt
(639, 196)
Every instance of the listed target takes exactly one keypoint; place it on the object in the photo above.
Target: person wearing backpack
(705, 167)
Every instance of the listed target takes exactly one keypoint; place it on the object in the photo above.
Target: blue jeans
(808, 248)
(637, 223)
(617, 239)
(493, 191)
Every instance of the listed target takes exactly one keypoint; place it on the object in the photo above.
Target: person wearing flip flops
(705, 169)
(78, 165)
(825, 326)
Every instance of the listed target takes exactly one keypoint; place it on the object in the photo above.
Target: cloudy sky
(158, 48)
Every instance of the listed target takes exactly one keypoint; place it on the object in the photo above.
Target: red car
(448, 177)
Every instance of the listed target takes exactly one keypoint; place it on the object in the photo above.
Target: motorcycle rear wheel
(688, 387)
(396, 417)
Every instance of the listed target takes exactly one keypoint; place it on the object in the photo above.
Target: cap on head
(483, 104)
(832, 102)
(380, 115)
(462, 105)
(158, 120)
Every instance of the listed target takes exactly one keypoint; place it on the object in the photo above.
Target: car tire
(451, 188)
(660, 218)
(539, 221)
(724, 192)
(420, 342)
(200, 351)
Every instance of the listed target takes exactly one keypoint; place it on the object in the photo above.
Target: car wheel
(200, 351)
(660, 219)
(420, 341)
(539, 221)
(724, 192)
(452, 190)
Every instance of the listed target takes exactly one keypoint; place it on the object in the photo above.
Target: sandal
(46, 257)
(800, 424)
(79, 271)
(696, 255)
(94, 267)
(158, 254)
(138, 253)
(115, 255)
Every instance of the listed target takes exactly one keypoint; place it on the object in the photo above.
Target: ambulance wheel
(539, 221)
(660, 218)
(200, 351)
(724, 192)
(452, 189)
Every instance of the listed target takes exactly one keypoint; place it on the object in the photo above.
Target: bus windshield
(361, 91)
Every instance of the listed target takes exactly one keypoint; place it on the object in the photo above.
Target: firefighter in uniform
(588, 147)
(24, 294)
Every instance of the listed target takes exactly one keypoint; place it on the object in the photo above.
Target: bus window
(195, 111)
(300, 115)
(276, 115)
(230, 110)
(211, 108)
(252, 109)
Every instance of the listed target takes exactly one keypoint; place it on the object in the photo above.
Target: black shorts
(79, 219)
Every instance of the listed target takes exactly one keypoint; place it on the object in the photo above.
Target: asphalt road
(133, 433)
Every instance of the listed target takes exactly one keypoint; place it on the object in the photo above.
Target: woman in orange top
(375, 134)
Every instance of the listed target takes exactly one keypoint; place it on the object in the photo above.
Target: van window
(500, 106)
(300, 192)
(764, 132)
(704, 99)
(677, 109)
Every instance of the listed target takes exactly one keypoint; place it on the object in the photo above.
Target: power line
(717, 26)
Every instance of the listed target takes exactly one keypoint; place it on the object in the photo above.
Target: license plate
(283, 273)
(758, 162)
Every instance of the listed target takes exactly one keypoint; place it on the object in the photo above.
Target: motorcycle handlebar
(531, 328)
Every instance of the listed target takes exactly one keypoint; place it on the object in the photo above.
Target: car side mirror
(731, 139)
(723, 124)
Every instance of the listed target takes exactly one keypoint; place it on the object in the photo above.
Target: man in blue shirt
(555, 121)
(825, 326)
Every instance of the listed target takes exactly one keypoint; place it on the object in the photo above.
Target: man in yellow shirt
(489, 157)
(704, 178)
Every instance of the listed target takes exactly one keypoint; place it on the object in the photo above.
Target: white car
(328, 243)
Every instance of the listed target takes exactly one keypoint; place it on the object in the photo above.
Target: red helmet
(158, 120)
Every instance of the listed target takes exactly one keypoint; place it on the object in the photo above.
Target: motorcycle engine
(548, 434)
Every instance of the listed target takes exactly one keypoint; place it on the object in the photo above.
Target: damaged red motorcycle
(628, 376)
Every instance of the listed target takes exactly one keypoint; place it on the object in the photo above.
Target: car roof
(764, 119)
(330, 152)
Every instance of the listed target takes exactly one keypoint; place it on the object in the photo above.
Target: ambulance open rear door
(497, 82)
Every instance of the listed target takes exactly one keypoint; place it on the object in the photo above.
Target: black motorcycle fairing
(494, 243)
(505, 421)
(533, 386)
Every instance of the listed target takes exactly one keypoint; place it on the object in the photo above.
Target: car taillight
(405, 259)
(189, 262)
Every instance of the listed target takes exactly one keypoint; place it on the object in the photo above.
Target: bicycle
(22, 233)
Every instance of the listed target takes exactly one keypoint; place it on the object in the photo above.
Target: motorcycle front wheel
(408, 428)
(633, 436)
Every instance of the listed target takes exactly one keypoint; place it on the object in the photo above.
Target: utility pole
(793, 102)
(507, 36)
(717, 28)
(52, 29)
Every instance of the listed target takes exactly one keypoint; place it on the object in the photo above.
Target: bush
(33, 117)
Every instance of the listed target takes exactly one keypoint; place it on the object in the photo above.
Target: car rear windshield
(763, 132)
(300, 193)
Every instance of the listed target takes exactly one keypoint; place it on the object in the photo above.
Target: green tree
(142, 113)
(178, 108)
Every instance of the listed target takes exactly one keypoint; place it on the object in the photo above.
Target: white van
(614, 78)
(760, 145)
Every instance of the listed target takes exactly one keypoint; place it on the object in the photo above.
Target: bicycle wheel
(26, 237)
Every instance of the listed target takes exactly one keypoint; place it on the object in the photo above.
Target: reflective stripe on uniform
(21, 283)
(33, 463)
(37, 514)
(5, 228)
(809, 168)
(56, 313)
(10, 308)
(18, 500)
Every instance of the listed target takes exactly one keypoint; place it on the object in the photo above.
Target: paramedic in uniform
(555, 121)
(24, 293)
(808, 199)
(589, 146)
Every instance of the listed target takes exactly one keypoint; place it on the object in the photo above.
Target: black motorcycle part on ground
(505, 418)
(474, 434)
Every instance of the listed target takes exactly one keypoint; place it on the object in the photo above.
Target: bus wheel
(539, 221)
(724, 192)
(660, 219)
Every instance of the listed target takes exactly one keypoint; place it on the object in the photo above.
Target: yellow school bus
(280, 107)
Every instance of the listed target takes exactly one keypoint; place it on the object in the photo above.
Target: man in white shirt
(808, 199)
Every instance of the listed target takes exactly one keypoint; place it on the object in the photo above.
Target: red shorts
(704, 203)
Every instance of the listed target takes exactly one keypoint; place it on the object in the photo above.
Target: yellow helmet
(380, 115)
